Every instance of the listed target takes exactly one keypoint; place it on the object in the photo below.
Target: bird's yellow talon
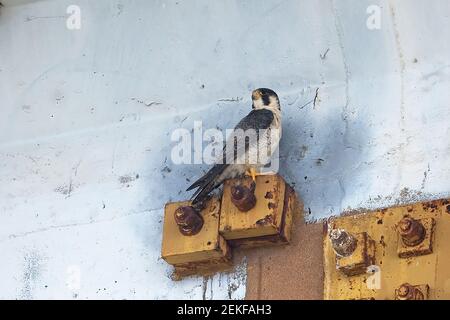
(251, 173)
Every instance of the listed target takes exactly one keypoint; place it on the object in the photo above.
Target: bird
(265, 117)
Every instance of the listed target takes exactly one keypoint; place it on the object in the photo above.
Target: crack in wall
(402, 65)
(345, 109)
(71, 225)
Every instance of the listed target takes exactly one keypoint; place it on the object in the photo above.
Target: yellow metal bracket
(411, 254)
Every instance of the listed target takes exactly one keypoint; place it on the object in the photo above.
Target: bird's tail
(207, 183)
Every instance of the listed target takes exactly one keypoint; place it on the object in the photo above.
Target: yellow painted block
(204, 246)
(270, 221)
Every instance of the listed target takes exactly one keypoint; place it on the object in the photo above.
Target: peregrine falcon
(248, 156)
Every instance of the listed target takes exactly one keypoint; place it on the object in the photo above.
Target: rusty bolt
(411, 231)
(243, 197)
(409, 292)
(405, 291)
(344, 244)
(189, 221)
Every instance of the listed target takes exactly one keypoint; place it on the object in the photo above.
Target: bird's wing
(256, 119)
(259, 119)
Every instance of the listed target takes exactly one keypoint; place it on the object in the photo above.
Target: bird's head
(265, 98)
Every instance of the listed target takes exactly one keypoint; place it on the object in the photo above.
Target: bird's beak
(256, 95)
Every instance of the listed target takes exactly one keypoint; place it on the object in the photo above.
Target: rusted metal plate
(205, 245)
(263, 219)
(430, 266)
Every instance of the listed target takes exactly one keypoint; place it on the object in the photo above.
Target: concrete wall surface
(87, 115)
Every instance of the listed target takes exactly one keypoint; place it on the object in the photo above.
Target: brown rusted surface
(262, 241)
(189, 221)
(407, 291)
(243, 197)
(344, 244)
(269, 195)
(292, 206)
(272, 205)
(325, 228)
(202, 268)
(411, 231)
(426, 206)
(266, 220)
(430, 206)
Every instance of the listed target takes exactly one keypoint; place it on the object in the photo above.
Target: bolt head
(181, 213)
(343, 243)
(405, 224)
(188, 220)
(243, 197)
(237, 192)
(404, 289)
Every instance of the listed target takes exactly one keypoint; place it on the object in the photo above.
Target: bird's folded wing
(246, 134)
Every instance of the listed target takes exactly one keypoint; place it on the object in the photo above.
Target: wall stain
(126, 179)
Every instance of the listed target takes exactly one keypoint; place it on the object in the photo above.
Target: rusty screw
(243, 197)
(189, 221)
(411, 231)
(343, 243)
(409, 292)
